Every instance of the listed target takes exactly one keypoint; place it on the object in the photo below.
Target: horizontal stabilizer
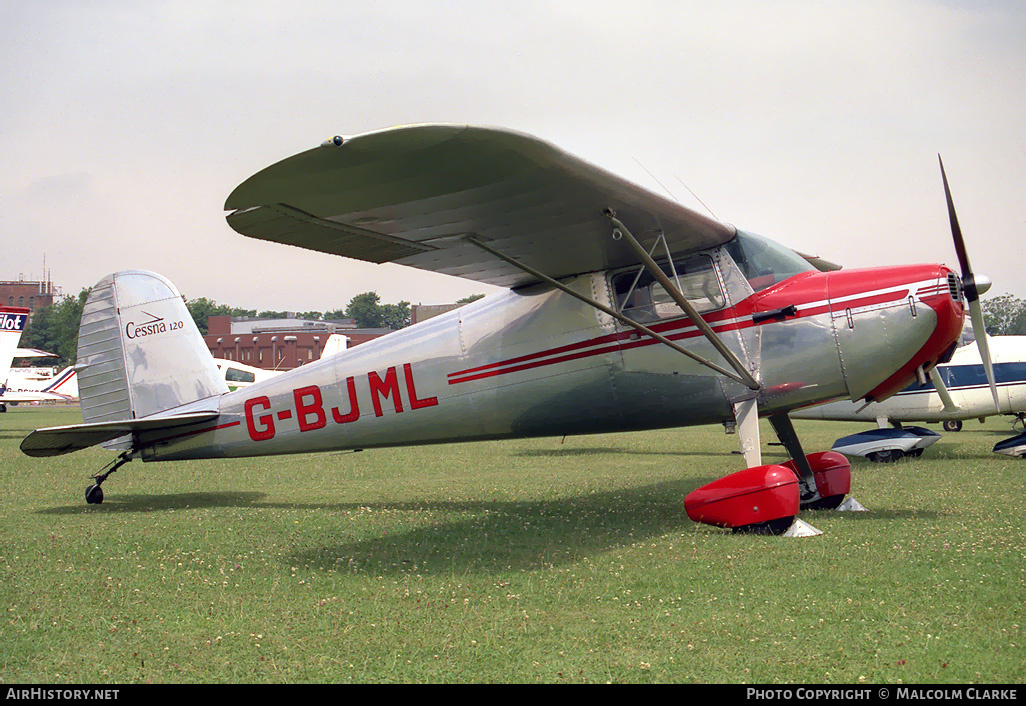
(54, 441)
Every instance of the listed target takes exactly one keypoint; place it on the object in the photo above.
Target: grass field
(544, 560)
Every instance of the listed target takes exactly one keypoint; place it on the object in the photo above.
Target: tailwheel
(94, 494)
(952, 425)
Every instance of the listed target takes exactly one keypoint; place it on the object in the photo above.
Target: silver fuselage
(536, 361)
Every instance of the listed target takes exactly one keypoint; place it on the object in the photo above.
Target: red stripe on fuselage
(806, 292)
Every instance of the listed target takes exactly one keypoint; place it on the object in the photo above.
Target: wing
(17, 396)
(410, 195)
(33, 353)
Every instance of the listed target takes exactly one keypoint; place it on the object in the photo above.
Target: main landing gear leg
(94, 493)
(824, 478)
(784, 428)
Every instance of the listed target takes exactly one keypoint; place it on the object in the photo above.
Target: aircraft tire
(952, 425)
(771, 527)
(94, 495)
(885, 456)
(830, 502)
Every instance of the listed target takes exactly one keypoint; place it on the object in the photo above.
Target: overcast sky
(125, 125)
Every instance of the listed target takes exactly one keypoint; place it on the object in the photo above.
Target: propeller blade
(979, 329)
(956, 234)
(970, 288)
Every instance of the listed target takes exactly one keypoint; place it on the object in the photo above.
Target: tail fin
(336, 343)
(12, 323)
(139, 351)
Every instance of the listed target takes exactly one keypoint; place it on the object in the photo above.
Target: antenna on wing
(647, 171)
(696, 197)
(671, 194)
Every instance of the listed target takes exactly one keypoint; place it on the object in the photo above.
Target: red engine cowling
(754, 496)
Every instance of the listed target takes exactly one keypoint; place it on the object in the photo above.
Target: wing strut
(750, 382)
(937, 378)
(746, 412)
(743, 376)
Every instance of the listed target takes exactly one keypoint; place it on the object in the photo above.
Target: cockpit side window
(763, 262)
(641, 298)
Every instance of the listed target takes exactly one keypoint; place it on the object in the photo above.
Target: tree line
(1004, 315)
(54, 328)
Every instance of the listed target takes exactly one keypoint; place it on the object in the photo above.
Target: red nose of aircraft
(905, 319)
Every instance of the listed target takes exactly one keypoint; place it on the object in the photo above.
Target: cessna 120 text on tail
(624, 311)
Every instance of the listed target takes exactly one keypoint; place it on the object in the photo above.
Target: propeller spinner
(972, 287)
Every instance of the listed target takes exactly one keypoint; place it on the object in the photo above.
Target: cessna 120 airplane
(624, 311)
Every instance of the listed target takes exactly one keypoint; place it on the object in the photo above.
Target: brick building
(284, 344)
(27, 293)
(280, 344)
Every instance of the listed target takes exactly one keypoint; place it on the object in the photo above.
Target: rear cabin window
(236, 375)
(641, 298)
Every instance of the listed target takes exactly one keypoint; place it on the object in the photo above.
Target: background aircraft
(28, 385)
(624, 311)
(238, 374)
(12, 323)
(955, 391)
(17, 385)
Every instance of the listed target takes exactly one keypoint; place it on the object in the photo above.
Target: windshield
(763, 262)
